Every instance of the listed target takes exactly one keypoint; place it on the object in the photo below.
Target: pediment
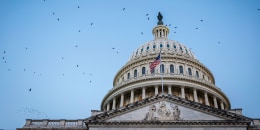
(165, 108)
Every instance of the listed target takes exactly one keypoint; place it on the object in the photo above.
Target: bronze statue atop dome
(160, 17)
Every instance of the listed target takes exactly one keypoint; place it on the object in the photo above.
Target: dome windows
(197, 74)
(135, 73)
(162, 68)
(147, 48)
(168, 46)
(128, 75)
(189, 72)
(143, 70)
(154, 46)
(174, 46)
(171, 69)
(161, 45)
(181, 69)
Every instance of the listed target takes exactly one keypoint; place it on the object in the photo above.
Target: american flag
(155, 63)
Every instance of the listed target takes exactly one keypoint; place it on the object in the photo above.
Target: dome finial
(160, 17)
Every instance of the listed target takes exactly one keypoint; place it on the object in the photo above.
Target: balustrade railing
(46, 123)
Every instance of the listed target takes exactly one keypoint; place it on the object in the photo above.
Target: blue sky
(69, 64)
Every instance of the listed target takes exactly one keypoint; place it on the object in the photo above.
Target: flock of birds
(30, 112)
(33, 112)
(91, 24)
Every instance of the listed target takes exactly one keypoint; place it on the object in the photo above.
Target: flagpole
(161, 72)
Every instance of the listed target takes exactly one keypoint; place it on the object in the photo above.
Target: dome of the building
(163, 44)
(179, 74)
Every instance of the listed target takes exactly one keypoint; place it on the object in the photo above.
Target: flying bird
(30, 89)
(91, 24)
(3, 57)
(146, 14)
(142, 33)
(58, 19)
(201, 20)
(175, 27)
(79, 30)
(123, 8)
(258, 9)
(77, 65)
(4, 52)
(113, 48)
(78, 6)
(169, 24)
(53, 13)
(196, 28)
(148, 18)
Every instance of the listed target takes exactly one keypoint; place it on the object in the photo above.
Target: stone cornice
(165, 124)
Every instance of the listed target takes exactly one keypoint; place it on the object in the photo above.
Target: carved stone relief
(163, 112)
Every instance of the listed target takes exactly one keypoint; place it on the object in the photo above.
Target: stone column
(182, 92)
(114, 103)
(170, 90)
(122, 100)
(132, 96)
(143, 93)
(222, 105)
(108, 106)
(206, 98)
(156, 90)
(215, 102)
(195, 95)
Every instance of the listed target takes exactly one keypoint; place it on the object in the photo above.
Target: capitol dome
(179, 74)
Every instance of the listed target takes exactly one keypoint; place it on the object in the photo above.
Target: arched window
(162, 68)
(174, 46)
(197, 74)
(147, 48)
(128, 75)
(189, 71)
(143, 70)
(171, 69)
(168, 46)
(181, 69)
(135, 73)
(161, 45)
